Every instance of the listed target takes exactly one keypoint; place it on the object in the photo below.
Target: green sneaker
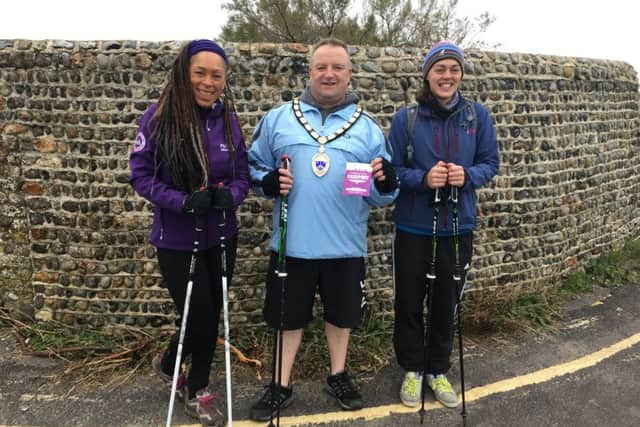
(442, 390)
(411, 389)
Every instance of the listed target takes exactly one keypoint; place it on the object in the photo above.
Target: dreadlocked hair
(178, 133)
(229, 108)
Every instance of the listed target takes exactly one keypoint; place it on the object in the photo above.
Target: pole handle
(285, 162)
(454, 194)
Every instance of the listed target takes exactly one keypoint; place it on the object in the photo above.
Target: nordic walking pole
(457, 277)
(431, 278)
(225, 310)
(282, 274)
(185, 314)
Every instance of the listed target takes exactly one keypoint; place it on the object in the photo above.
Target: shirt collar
(307, 103)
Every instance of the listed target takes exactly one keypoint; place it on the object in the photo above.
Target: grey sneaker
(411, 389)
(168, 378)
(205, 408)
(442, 390)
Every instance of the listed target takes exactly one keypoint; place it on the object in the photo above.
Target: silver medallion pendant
(320, 163)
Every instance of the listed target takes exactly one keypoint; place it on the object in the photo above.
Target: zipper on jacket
(161, 225)
(456, 142)
(448, 135)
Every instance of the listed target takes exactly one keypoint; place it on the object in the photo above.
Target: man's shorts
(339, 280)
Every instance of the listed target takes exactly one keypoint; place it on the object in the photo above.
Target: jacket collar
(432, 109)
(216, 110)
(307, 103)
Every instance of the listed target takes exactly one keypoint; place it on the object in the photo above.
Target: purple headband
(206, 45)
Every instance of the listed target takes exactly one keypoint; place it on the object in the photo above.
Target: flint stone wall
(73, 235)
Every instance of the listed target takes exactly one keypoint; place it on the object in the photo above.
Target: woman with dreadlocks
(189, 160)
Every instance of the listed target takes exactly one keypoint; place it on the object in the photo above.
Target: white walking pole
(183, 323)
(225, 310)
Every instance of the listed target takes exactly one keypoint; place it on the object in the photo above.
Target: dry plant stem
(101, 359)
(241, 357)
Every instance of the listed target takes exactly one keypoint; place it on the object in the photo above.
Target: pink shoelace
(207, 400)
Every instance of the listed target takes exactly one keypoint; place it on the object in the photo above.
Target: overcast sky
(589, 28)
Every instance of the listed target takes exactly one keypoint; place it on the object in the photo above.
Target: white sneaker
(442, 390)
(411, 389)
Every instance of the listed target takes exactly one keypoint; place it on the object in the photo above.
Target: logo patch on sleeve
(140, 143)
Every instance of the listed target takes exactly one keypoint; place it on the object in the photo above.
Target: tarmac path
(587, 374)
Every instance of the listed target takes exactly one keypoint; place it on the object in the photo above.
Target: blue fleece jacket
(468, 140)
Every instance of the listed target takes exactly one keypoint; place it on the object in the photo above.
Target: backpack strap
(412, 113)
(471, 116)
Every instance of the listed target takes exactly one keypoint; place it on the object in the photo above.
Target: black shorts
(340, 281)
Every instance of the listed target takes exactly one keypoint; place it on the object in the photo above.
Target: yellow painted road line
(476, 393)
(554, 371)
(470, 395)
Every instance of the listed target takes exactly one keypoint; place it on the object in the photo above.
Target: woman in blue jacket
(188, 143)
(452, 144)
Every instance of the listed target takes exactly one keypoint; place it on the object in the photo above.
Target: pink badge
(357, 179)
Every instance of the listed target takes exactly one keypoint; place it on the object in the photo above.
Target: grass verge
(93, 357)
(369, 349)
(539, 311)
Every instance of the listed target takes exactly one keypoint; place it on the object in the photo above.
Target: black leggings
(204, 309)
(411, 262)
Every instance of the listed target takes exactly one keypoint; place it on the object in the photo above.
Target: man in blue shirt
(324, 133)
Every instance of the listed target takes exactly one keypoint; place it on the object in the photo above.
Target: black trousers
(412, 256)
(204, 309)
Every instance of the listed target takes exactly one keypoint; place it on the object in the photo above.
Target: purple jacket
(172, 228)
